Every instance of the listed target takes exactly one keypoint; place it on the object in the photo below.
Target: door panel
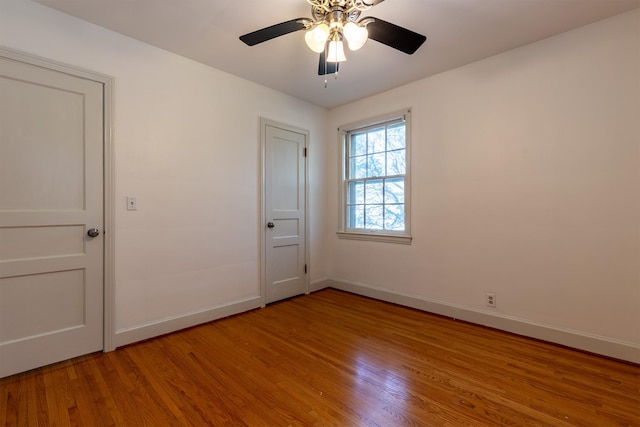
(41, 304)
(51, 193)
(31, 166)
(285, 209)
(41, 242)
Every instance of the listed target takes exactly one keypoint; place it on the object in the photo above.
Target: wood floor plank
(329, 359)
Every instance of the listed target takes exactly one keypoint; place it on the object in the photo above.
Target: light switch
(132, 203)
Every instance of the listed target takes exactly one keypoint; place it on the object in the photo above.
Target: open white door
(284, 228)
(51, 216)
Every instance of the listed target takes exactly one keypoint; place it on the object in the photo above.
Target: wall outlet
(491, 299)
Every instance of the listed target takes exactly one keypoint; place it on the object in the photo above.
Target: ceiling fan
(336, 21)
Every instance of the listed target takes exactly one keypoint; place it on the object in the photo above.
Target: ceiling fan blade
(273, 31)
(394, 36)
(325, 67)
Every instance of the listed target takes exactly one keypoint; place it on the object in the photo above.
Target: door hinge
(305, 151)
(305, 269)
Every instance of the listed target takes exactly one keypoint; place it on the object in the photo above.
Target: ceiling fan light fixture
(316, 38)
(356, 35)
(336, 22)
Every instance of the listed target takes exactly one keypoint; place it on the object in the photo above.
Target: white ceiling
(458, 32)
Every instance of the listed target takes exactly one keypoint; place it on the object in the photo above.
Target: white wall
(526, 183)
(187, 145)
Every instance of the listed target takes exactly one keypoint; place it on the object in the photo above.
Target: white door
(284, 207)
(51, 195)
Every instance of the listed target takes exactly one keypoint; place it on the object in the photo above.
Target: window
(375, 180)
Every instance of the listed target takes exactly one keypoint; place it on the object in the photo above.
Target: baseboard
(165, 326)
(575, 339)
(320, 284)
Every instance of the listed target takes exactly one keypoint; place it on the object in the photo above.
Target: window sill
(375, 237)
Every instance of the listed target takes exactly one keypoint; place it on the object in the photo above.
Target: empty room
(320, 212)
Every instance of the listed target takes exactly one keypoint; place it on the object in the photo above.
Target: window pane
(358, 144)
(374, 192)
(377, 178)
(374, 218)
(396, 162)
(358, 167)
(376, 141)
(396, 137)
(394, 190)
(356, 216)
(356, 193)
(394, 217)
(376, 165)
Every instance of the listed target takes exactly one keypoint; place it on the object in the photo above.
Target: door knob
(93, 232)
(271, 225)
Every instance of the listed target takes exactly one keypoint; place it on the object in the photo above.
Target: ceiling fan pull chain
(326, 66)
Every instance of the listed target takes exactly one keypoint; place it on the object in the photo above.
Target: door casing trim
(108, 177)
(263, 215)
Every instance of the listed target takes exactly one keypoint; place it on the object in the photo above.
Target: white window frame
(386, 236)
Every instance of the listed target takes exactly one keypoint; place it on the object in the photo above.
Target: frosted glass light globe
(317, 37)
(336, 51)
(356, 35)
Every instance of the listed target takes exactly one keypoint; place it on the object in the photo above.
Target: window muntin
(375, 178)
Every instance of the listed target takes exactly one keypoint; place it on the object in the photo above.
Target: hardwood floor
(329, 359)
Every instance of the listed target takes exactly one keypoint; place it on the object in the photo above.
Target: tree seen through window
(376, 169)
